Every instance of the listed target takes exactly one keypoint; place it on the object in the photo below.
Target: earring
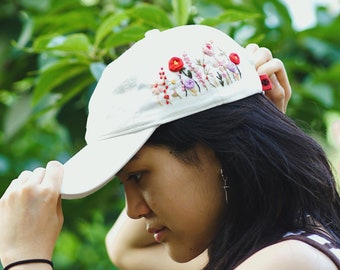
(225, 186)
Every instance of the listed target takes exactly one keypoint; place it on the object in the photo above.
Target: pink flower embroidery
(208, 49)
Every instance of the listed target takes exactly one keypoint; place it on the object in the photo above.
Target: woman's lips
(158, 234)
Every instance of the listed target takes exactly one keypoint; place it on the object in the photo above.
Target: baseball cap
(165, 76)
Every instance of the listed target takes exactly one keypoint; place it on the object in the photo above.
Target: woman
(278, 193)
(130, 246)
(207, 162)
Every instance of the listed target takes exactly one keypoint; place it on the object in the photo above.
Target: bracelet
(29, 261)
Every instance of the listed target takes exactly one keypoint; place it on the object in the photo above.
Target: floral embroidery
(208, 49)
(189, 83)
(214, 69)
(175, 64)
(234, 58)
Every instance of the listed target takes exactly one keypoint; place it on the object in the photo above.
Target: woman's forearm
(127, 234)
(131, 247)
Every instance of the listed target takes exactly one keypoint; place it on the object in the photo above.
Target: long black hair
(279, 177)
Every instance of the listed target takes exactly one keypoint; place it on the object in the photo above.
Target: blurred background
(52, 53)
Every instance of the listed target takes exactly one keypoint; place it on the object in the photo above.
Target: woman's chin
(182, 256)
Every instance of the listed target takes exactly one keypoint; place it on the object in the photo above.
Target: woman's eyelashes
(137, 177)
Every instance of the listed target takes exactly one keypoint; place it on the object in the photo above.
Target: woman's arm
(130, 247)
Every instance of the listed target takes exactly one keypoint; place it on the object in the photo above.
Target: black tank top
(319, 241)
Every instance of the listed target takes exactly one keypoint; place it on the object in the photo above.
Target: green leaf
(126, 36)
(230, 16)
(75, 86)
(208, 8)
(56, 75)
(181, 11)
(320, 92)
(67, 21)
(151, 15)
(41, 6)
(40, 43)
(17, 116)
(107, 26)
(71, 88)
(77, 43)
(27, 31)
(322, 49)
(71, 43)
(97, 69)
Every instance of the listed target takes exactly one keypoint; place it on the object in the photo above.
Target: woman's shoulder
(289, 254)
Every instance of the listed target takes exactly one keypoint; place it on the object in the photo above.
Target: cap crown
(166, 76)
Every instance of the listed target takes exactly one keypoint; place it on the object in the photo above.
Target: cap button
(152, 33)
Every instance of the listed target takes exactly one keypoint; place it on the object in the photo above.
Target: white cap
(165, 76)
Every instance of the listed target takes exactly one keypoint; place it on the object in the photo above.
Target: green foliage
(75, 253)
(181, 11)
(53, 52)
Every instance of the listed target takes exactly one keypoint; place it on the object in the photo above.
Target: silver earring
(225, 185)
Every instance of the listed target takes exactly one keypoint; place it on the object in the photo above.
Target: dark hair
(278, 176)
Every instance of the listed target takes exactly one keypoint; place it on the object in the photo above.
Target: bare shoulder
(289, 254)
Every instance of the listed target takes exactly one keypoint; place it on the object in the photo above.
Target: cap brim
(97, 163)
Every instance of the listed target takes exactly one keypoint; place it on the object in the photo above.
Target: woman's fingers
(252, 48)
(37, 176)
(24, 176)
(53, 176)
(274, 68)
(281, 90)
(259, 55)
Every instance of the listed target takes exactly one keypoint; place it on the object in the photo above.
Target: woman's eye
(137, 177)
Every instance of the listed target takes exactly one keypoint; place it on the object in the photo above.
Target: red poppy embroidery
(234, 58)
(175, 64)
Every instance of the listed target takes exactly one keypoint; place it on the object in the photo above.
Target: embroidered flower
(234, 58)
(232, 67)
(189, 83)
(161, 87)
(156, 89)
(175, 64)
(194, 70)
(208, 49)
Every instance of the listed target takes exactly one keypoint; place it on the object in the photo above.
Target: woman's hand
(31, 215)
(274, 68)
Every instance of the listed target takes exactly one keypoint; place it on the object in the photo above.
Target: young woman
(206, 160)
(130, 246)
(279, 184)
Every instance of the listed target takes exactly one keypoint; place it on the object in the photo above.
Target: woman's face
(182, 204)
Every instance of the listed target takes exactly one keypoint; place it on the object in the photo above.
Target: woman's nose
(136, 207)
